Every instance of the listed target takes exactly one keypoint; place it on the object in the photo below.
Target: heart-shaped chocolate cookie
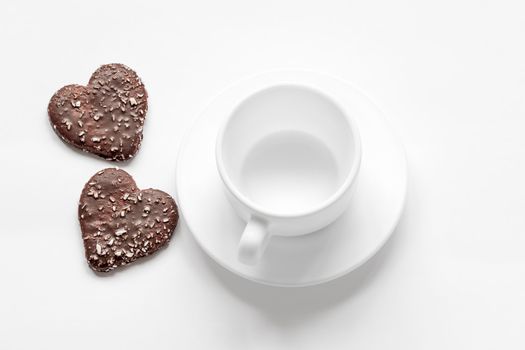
(105, 117)
(121, 223)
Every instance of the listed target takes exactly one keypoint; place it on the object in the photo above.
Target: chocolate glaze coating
(121, 223)
(106, 117)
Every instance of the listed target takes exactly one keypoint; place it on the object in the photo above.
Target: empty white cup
(288, 156)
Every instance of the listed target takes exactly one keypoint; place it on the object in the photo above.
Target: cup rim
(263, 212)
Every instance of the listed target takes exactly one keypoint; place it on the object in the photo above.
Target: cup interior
(288, 150)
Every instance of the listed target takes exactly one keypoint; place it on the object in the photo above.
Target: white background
(449, 74)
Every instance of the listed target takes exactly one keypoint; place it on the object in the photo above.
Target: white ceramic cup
(288, 156)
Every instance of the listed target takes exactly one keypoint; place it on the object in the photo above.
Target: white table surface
(449, 74)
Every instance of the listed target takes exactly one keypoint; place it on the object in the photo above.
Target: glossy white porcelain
(288, 156)
(362, 229)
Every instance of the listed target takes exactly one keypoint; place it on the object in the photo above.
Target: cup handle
(253, 241)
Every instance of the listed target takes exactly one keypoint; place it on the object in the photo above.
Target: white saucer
(318, 257)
